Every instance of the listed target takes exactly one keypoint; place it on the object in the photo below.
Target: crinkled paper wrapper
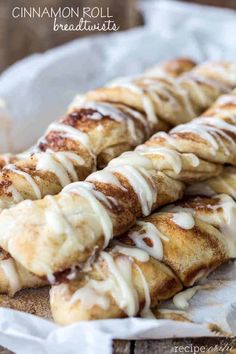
(38, 89)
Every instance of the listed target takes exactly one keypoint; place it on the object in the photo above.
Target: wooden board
(169, 346)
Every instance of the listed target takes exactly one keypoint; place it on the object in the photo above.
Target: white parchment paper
(25, 334)
(37, 90)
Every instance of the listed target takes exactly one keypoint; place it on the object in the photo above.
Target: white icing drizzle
(138, 179)
(118, 284)
(184, 219)
(134, 139)
(85, 189)
(148, 231)
(48, 162)
(134, 114)
(146, 101)
(218, 71)
(58, 223)
(228, 206)
(71, 133)
(149, 110)
(197, 91)
(219, 123)
(8, 267)
(198, 129)
(113, 111)
(168, 138)
(132, 158)
(226, 99)
(105, 176)
(51, 278)
(228, 224)
(93, 293)
(130, 251)
(123, 291)
(117, 112)
(135, 168)
(194, 160)
(105, 109)
(146, 311)
(153, 90)
(66, 158)
(60, 163)
(172, 156)
(212, 134)
(172, 90)
(181, 299)
(28, 178)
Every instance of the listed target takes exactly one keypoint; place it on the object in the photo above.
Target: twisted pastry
(161, 255)
(196, 90)
(111, 128)
(225, 183)
(98, 130)
(67, 229)
(90, 135)
(173, 68)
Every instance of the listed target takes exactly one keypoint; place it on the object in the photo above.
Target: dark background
(23, 36)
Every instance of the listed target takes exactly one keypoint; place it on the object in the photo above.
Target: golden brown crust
(40, 245)
(162, 283)
(186, 151)
(189, 254)
(174, 67)
(108, 137)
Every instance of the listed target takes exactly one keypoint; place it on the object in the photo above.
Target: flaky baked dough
(67, 229)
(99, 127)
(97, 133)
(189, 254)
(108, 136)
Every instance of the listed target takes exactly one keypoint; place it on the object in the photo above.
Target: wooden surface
(168, 346)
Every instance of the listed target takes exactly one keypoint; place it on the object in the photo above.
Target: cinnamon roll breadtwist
(173, 68)
(90, 135)
(111, 128)
(154, 261)
(66, 230)
(104, 123)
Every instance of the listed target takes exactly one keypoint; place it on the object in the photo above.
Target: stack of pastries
(79, 209)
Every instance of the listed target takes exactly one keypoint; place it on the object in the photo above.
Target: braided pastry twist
(154, 261)
(66, 230)
(99, 127)
(112, 128)
(173, 68)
